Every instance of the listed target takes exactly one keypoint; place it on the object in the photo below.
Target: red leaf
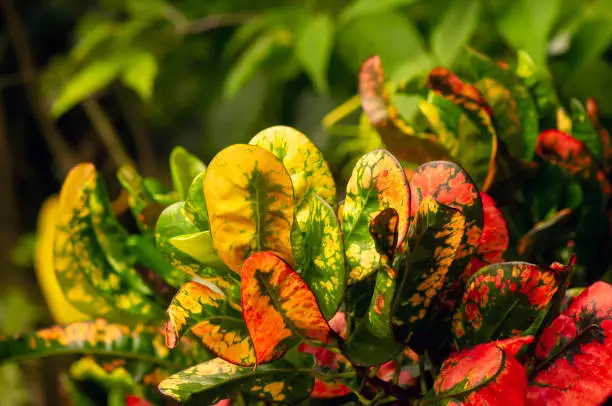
(133, 400)
(574, 353)
(326, 390)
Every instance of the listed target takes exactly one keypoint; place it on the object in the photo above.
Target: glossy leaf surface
(378, 182)
(195, 206)
(277, 306)
(214, 380)
(183, 168)
(249, 196)
(302, 159)
(198, 246)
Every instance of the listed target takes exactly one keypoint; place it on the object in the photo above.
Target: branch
(63, 154)
(185, 27)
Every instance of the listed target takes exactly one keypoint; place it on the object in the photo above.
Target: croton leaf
(195, 206)
(249, 196)
(547, 233)
(540, 85)
(372, 342)
(183, 168)
(142, 204)
(320, 253)
(99, 337)
(573, 156)
(584, 130)
(302, 159)
(214, 380)
(433, 242)
(198, 246)
(277, 306)
(493, 241)
(574, 352)
(90, 282)
(604, 136)
(506, 300)
(450, 185)
(378, 182)
(487, 374)
(396, 134)
(214, 319)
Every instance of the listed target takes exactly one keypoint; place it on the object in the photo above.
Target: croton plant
(548, 170)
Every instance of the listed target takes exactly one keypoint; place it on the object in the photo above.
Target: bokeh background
(114, 81)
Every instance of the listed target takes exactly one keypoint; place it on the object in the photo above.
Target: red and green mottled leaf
(604, 136)
(174, 222)
(505, 300)
(249, 196)
(487, 374)
(372, 342)
(574, 353)
(214, 380)
(302, 159)
(277, 306)
(195, 206)
(584, 130)
(450, 185)
(515, 112)
(102, 338)
(327, 390)
(214, 319)
(184, 167)
(398, 136)
(92, 283)
(319, 252)
(493, 241)
(378, 182)
(573, 156)
(433, 243)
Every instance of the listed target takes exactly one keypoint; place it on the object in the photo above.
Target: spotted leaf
(142, 202)
(250, 202)
(320, 253)
(99, 337)
(486, 374)
(505, 300)
(184, 167)
(574, 352)
(214, 380)
(214, 319)
(398, 136)
(278, 307)
(195, 206)
(302, 159)
(378, 182)
(493, 241)
(433, 243)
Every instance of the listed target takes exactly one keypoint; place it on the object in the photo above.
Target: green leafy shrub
(276, 291)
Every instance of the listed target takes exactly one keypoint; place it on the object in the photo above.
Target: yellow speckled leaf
(378, 182)
(302, 159)
(249, 197)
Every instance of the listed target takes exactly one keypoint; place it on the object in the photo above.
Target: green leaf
(320, 253)
(583, 129)
(141, 201)
(212, 381)
(98, 337)
(195, 205)
(539, 82)
(184, 167)
(140, 74)
(454, 29)
(313, 49)
(366, 8)
(198, 246)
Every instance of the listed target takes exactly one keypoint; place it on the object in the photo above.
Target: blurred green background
(110, 81)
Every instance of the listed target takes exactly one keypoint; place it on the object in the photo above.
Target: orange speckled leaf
(494, 240)
(211, 317)
(249, 197)
(277, 306)
(378, 182)
(574, 353)
(303, 161)
(487, 374)
(397, 135)
(506, 300)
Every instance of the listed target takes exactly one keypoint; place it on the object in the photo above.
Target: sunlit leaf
(214, 380)
(378, 182)
(184, 167)
(140, 74)
(198, 246)
(573, 353)
(313, 49)
(303, 161)
(249, 196)
(195, 206)
(278, 307)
